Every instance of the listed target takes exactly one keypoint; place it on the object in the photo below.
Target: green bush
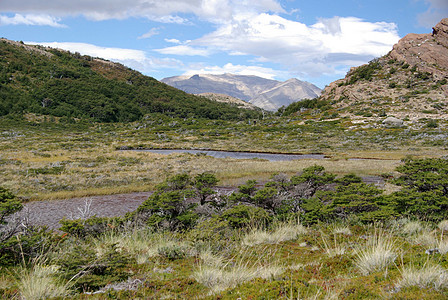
(365, 72)
(90, 271)
(241, 216)
(9, 204)
(424, 191)
(29, 244)
(93, 226)
(203, 184)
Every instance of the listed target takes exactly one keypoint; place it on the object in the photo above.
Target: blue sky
(316, 41)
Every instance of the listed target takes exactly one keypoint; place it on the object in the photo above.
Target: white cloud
(235, 69)
(173, 41)
(150, 33)
(31, 19)
(305, 50)
(96, 51)
(438, 9)
(184, 50)
(160, 10)
(134, 59)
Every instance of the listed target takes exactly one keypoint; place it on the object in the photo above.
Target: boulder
(392, 122)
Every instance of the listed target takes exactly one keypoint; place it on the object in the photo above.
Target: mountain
(410, 82)
(54, 82)
(265, 93)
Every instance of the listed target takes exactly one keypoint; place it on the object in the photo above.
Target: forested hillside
(54, 82)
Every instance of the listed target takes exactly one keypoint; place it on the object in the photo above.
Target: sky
(312, 40)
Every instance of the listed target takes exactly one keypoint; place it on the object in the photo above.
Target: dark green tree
(203, 184)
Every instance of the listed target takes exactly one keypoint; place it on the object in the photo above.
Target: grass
(92, 165)
(41, 282)
(377, 254)
(326, 261)
(412, 228)
(143, 245)
(333, 249)
(443, 225)
(225, 263)
(283, 232)
(428, 276)
(218, 275)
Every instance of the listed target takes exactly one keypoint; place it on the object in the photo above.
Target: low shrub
(241, 216)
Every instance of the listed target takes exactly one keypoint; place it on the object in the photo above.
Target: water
(240, 155)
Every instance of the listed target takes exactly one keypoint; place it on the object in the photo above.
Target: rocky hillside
(228, 99)
(264, 93)
(53, 82)
(410, 82)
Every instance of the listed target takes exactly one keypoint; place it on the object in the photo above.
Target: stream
(50, 212)
(239, 155)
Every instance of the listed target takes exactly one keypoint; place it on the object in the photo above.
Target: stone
(393, 122)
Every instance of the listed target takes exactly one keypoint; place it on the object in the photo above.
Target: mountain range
(265, 93)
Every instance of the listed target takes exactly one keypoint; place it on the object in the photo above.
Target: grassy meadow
(41, 158)
(285, 240)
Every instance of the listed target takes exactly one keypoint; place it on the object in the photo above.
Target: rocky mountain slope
(410, 82)
(228, 99)
(265, 93)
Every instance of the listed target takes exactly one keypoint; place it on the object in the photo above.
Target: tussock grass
(41, 282)
(428, 276)
(283, 232)
(425, 238)
(220, 279)
(143, 245)
(376, 254)
(341, 229)
(219, 274)
(412, 228)
(332, 249)
(443, 225)
(442, 246)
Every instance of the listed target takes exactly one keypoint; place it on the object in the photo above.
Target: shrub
(313, 178)
(365, 72)
(97, 271)
(425, 189)
(168, 209)
(93, 226)
(31, 243)
(9, 204)
(203, 184)
(266, 198)
(241, 216)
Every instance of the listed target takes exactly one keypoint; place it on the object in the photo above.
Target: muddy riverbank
(49, 213)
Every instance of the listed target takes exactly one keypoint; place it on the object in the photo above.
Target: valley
(343, 196)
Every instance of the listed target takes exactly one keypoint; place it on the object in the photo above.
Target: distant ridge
(265, 93)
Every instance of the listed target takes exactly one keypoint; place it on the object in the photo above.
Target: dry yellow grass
(103, 170)
(92, 166)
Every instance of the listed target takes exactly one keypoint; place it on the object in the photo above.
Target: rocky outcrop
(410, 82)
(427, 51)
(261, 92)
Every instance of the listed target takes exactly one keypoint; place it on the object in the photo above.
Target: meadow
(44, 158)
(303, 229)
